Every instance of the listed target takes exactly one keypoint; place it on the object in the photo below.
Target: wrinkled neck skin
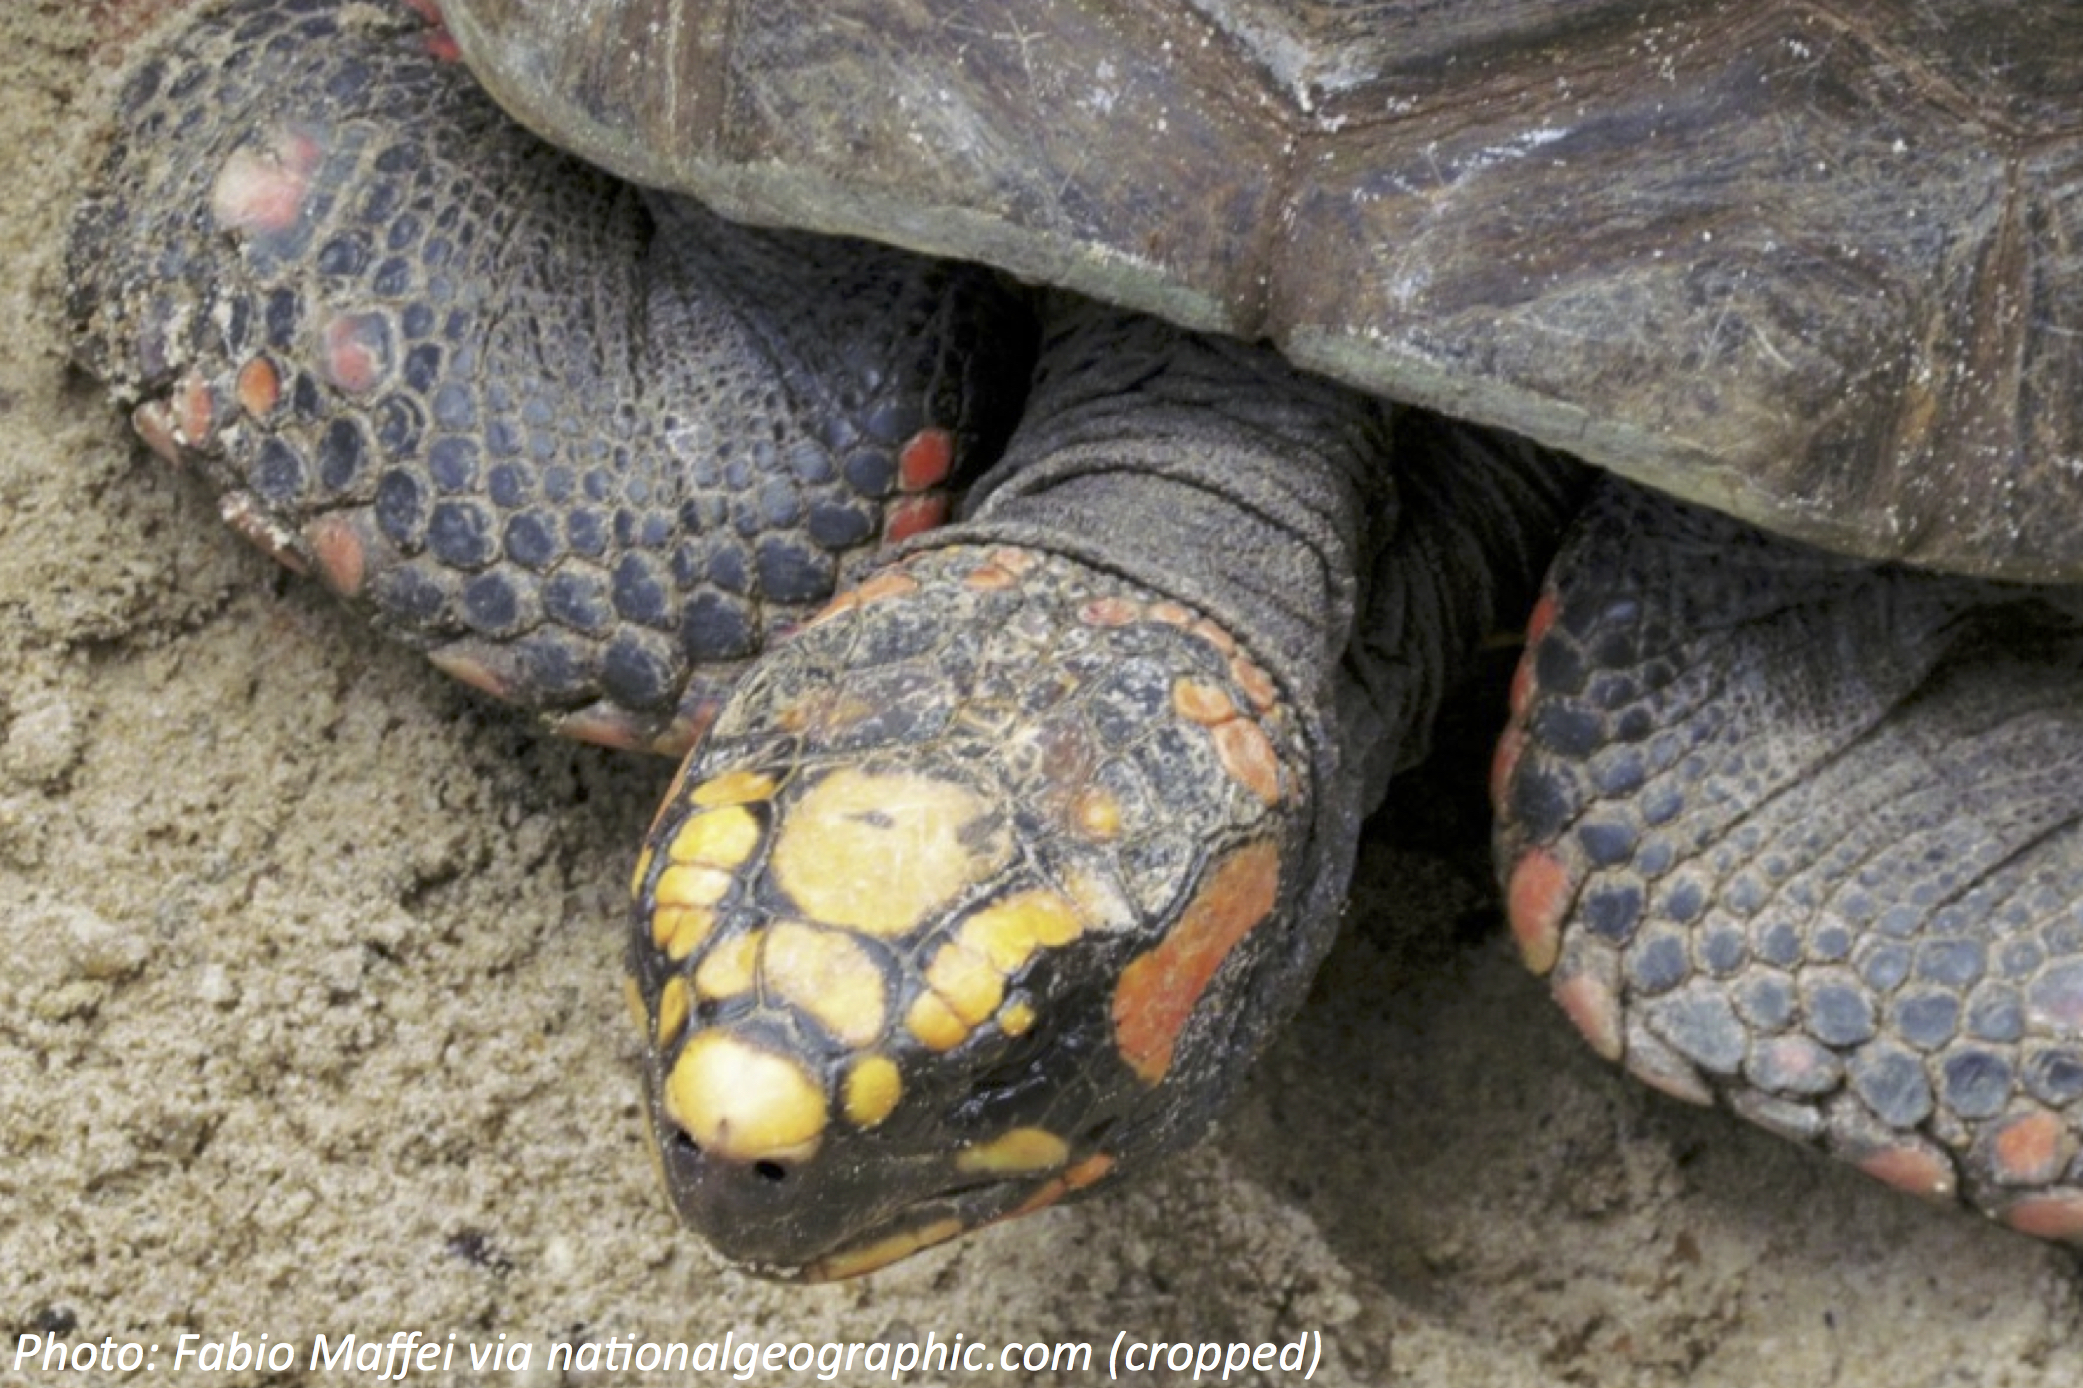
(1360, 552)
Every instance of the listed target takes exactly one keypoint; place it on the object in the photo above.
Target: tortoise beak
(826, 1217)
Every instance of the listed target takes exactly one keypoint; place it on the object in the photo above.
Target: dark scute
(1893, 1084)
(791, 571)
(587, 530)
(1558, 668)
(281, 316)
(1839, 1014)
(401, 507)
(1542, 801)
(342, 454)
(392, 278)
(640, 593)
(1612, 912)
(2054, 1074)
(1926, 1019)
(714, 626)
(423, 366)
(531, 540)
(460, 534)
(454, 408)
(1975, 1082)
(509, 484)
(579, 599)
(490, 603)
(1606, 843)
(1685, 900)
(399, 425)
(635, 675)
(1658, 963)
(893, 423)
(870, 472)
(344, 255)
(408, 593)
(452, 463)
(277, 474)
(836, 527)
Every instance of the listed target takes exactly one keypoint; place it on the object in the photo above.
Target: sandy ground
(310, 1024)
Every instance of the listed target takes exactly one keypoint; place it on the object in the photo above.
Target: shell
(1820, 266)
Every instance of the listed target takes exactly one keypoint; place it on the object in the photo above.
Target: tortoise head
(970, 901)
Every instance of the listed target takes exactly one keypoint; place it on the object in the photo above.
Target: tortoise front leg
(589, 450)
(1805, 836)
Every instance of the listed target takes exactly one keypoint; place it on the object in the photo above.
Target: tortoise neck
(1203, 469)
(1359, 555)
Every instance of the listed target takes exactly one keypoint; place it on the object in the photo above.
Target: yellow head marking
(720, 838)
(680, 930)
(989, 577)
(1085, 1173)
(1095, 813)
(1016, 1018)
(877, 851)
(1008, 932)
(934, 1024)
(733, 788)
(688, 884)
(743, 1103)
(828, 975)
(881, 1253)
(873, 1088)
(727, 970)
(672, 1011)
(966, 982)
(1020, 1151)
(890, 583)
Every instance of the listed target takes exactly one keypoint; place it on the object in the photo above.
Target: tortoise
(1038, 634)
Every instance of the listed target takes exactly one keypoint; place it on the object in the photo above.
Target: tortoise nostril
(686, 1144)
(771, 1170)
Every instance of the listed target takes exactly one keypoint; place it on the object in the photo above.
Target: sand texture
(310, 1022)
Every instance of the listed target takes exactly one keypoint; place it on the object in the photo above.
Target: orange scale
(914, 515)
(341, 557)
(259, 387)
(1110, 612)
(1537, 898)
(2029, 1150)
(926, 460)
(2058, 1215)
(1160, 989)
(1247, 754)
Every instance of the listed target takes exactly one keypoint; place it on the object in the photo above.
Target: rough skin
(989, 885)
(1805, 835)
(589, 450)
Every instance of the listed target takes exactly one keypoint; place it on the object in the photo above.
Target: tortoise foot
(1805, 837)
(591, 451)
